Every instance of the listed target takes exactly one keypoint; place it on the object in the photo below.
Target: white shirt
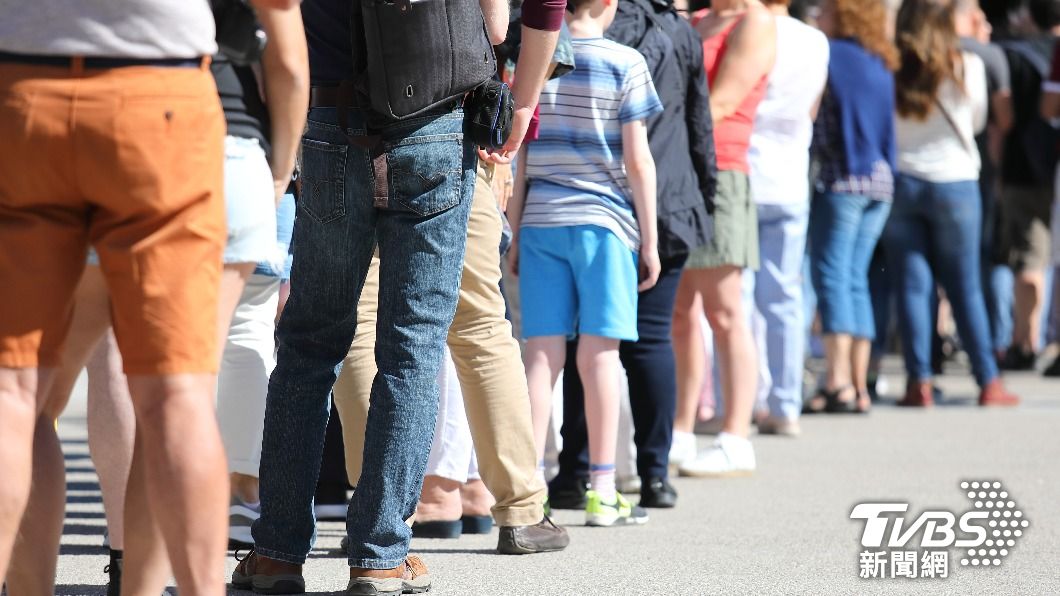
(116, 28)
(931, 149)
(780, 142)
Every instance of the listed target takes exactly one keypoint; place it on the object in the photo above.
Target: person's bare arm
(531, 71)
(496, 14)
(752, 51)
(276, 4)
(640, 169)
(285, 68)
(1050, 105)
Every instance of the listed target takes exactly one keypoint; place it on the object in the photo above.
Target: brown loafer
(410, 577)
(268, 576)
(994, 394)
(918, 394)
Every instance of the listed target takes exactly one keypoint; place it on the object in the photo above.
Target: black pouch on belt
(488, 112)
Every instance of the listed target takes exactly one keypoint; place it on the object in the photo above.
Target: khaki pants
(488, 363)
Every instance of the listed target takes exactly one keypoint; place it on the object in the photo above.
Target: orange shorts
(129, 160)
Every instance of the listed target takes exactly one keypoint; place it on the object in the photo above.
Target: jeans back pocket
(426, 173)
(323, 175)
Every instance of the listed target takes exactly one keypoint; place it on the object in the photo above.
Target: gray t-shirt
(117, 28)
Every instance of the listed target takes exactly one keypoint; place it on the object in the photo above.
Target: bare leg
(146, 566)
(37, 547)
(737, 360)
(860, 361)
(475, 498)
(544, 357)
(18, 413)
(598, 366)
(837, 353)
(233, 280)
(180, 455)
(439, 500)
(1029, 296)
(111, 433)
(245, 487)
(860, 352)
(689, 355)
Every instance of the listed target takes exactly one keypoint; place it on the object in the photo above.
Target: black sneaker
(113, 569)
(657, 493)
(1016, 358)
(563, 494)
(1053, 370)
(542, 537)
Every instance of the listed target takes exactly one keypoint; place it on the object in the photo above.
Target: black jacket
(682, 136)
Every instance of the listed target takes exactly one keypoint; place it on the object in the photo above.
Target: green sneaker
(616, 513)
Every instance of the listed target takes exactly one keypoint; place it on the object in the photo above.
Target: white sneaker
(729, 456)
(241, 517)
(682, 448)
(330, 512)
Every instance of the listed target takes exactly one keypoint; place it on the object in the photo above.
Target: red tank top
(732, 136)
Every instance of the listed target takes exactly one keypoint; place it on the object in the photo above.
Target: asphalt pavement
(786, 530)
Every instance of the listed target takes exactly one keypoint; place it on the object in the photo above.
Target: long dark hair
(930, 54)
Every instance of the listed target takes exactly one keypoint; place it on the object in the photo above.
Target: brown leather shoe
(410, 577)
(918, 394)
(542, 537)
(268, 576)
(994, 394)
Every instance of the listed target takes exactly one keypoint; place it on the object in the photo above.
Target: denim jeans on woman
(775, 292)
(418, 217)
(933, 235)
(844, 229)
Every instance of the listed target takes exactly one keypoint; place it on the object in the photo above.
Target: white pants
(452, 452)
(243, 382)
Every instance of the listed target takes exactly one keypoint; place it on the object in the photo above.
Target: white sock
(602, 480)
(541, 471)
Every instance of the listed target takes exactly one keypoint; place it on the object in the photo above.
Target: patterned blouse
(832, 174)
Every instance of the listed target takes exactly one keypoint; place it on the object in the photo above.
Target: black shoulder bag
(420, 54)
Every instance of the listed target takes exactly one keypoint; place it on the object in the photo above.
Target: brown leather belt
(324, 97)
(343, 97)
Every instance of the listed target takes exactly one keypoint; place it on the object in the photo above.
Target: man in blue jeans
(417, 217)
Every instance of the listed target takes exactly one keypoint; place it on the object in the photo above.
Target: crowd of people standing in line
(678, 176)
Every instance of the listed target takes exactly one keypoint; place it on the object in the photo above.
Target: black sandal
(863, 402)
(816, 404)
(841, 406)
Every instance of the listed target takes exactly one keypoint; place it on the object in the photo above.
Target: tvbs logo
(988, 531)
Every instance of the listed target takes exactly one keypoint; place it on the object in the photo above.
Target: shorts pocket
(323, 180)
(426, 173)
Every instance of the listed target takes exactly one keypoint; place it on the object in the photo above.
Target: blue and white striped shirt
(575, 168)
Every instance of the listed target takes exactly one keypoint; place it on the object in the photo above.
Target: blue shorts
(577, 279)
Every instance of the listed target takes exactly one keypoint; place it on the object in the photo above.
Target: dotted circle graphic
(1001, 511)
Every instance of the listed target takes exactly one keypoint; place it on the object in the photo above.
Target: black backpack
(417, 55)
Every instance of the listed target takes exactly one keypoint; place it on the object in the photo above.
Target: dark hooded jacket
(682, 136)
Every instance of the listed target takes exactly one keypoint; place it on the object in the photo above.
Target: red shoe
(994, 394)
(918, 394)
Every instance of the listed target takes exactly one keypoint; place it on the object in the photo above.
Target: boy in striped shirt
(583, 212)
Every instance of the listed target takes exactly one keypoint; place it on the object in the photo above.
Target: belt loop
(205, 63)
(77, 65)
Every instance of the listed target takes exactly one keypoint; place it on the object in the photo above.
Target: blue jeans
(418, 216)
(843, 233)
(777, 291)
(934, 231)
